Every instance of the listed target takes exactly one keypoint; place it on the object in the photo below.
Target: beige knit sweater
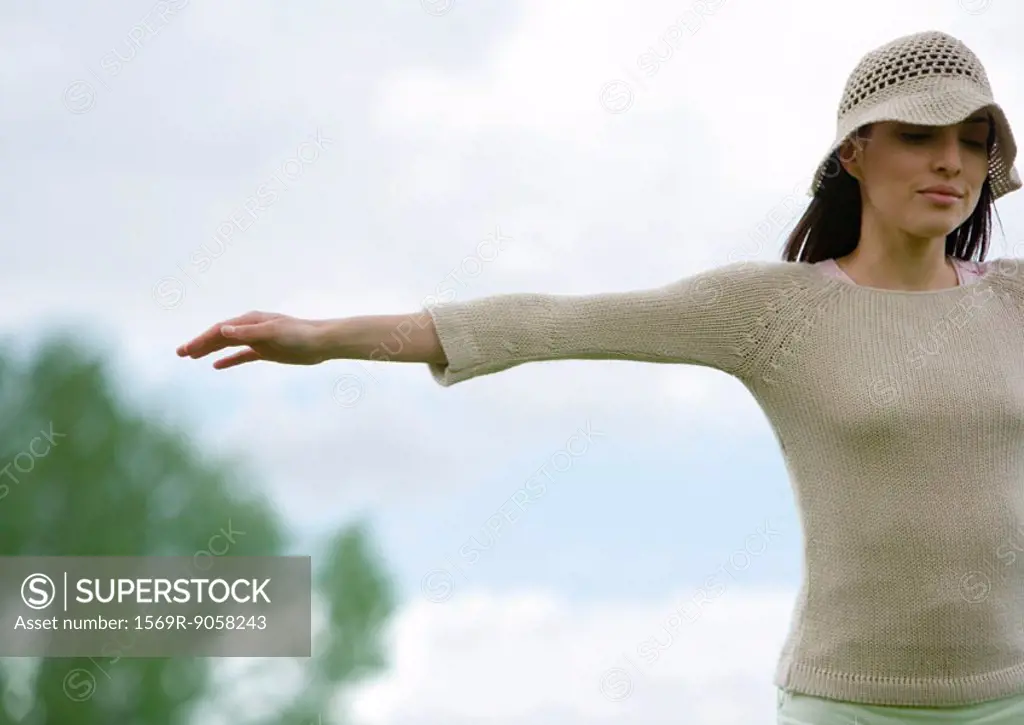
(901, 418)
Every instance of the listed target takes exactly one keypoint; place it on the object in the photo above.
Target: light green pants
(797, 709)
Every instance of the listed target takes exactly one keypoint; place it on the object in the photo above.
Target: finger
(242, 334)
(200, 345)
(238, 358)
(212, 339)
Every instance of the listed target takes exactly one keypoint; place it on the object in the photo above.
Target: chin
(935, 225)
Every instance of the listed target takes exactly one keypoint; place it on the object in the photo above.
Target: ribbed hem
(903, 691)
(459, 345)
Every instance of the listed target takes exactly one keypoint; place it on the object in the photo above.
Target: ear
(849, 156)
(851, 151)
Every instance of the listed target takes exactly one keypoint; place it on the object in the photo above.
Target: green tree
(113, 480)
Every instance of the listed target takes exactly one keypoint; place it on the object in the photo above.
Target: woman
(889, 358)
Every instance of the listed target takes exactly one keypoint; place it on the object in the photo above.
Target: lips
(943, 191)
(945, 196)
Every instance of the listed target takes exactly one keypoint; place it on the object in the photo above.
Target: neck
(892, 259)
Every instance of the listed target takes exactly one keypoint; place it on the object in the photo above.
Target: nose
(947, 154)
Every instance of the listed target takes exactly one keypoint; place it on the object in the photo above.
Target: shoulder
(1002, 273)
(1004, 276)
(755, 290)
(769, 275)
(1009, 267)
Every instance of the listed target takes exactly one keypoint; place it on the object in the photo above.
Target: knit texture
(901, 420)
(928, 79)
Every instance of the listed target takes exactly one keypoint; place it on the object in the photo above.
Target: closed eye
(922, 137)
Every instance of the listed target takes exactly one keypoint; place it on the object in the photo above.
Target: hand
(265, 335)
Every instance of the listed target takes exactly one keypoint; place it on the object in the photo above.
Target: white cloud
(533, 658)
(725, 62)
(433, 153)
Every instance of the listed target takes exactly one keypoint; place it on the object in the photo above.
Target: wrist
(332, 339)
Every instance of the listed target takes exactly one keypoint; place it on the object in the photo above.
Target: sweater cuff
(459, 343)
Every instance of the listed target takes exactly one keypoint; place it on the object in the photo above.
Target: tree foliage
(85, 473)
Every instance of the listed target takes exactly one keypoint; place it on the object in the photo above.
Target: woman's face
(904, 169)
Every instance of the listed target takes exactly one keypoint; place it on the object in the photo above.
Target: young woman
(888, 356)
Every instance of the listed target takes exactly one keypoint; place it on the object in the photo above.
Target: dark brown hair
(830, 226)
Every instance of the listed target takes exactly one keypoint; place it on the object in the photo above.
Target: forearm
(395, 338)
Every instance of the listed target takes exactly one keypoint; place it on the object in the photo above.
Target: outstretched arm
(706, 319)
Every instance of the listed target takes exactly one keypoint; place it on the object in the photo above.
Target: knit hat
(928, 79)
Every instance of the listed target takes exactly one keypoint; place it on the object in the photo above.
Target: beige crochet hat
(930, 79)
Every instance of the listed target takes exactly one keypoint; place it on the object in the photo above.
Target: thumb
(249, 333)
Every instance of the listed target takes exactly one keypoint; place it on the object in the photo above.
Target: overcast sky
(174, 164)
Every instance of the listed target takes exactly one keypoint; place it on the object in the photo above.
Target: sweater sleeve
(706, 319)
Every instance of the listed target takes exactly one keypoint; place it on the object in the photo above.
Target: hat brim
(951, 104)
